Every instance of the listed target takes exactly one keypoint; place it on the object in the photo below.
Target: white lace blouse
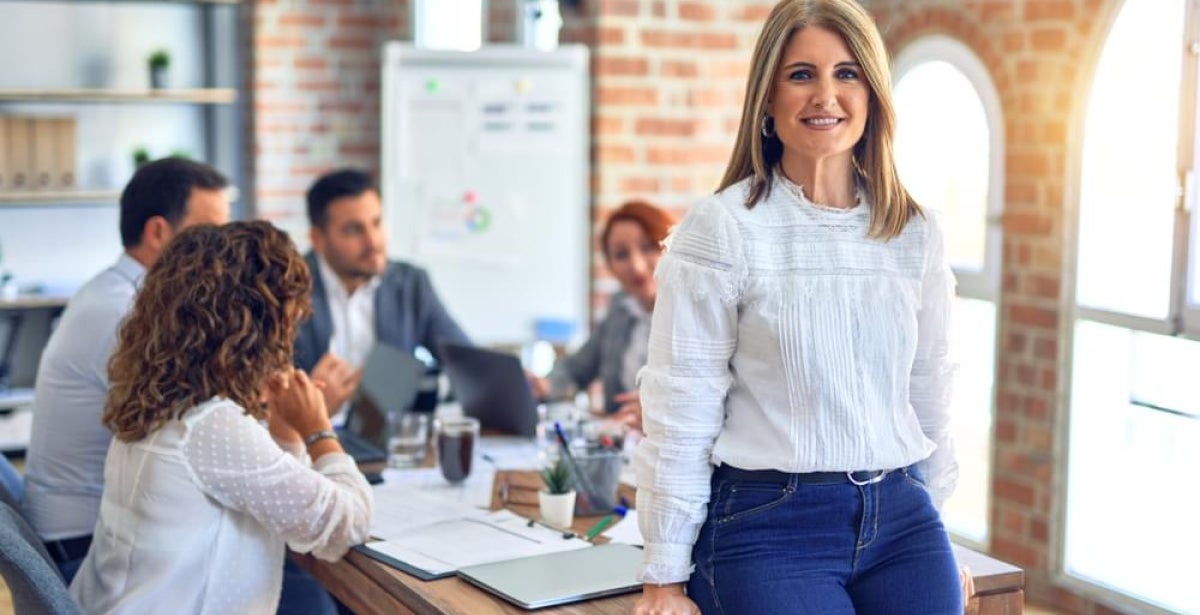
(784, 338)
(194, 517)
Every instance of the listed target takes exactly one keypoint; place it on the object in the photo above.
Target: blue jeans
(832, 548)
(302, 594)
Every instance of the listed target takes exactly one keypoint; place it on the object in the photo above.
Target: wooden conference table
(371, 587)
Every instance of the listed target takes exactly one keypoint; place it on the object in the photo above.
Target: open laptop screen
(492, 388)
(389, 381)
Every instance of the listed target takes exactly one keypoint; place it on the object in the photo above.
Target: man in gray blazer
(359, 296)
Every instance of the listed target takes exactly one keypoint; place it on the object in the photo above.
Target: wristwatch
(324, 434)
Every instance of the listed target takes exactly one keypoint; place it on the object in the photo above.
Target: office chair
(31, 576)
(12, 485)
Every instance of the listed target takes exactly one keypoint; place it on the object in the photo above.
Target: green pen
(617, 514)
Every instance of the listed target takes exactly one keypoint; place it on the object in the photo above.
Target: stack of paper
(441, 549)
(432, 537)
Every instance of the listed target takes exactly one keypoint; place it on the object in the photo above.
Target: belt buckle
(869, 481)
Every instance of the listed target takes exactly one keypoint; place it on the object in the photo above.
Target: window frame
(1183, 320)
(1188, 223)
(981, 285)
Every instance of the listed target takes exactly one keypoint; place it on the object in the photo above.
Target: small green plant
(160, 59)
(557, 478)
(140, 156)
(181, 153)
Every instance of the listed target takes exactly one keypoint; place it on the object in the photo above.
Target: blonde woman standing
(796, 392)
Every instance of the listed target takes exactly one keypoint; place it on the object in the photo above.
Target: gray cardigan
(601, 356)
(408, 314)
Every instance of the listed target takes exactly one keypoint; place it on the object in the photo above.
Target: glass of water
(408, 439)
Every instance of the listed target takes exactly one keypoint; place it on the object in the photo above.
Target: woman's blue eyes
(841, 73)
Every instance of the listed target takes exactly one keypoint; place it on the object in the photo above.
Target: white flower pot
(558, 509)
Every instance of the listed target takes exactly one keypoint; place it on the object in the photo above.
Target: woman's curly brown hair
(215, 316)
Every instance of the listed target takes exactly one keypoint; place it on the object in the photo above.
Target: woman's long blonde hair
(216, 314)
(875, 168)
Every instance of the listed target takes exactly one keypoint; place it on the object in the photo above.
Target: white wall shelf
(59, 197)
(206, 96)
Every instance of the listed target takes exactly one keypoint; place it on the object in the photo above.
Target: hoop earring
(767, 127)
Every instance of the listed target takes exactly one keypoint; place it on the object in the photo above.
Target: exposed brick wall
(315, 94)
(501, 23)
(667, 84)
(1034, 50)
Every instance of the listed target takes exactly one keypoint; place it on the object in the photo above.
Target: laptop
(390, 380)
(492, 388)
(560, 578)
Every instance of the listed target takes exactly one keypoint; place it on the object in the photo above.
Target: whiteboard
(485, 181)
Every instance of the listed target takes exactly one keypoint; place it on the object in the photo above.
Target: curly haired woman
(199, 498)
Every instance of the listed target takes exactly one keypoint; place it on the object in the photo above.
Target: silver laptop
(560, 578)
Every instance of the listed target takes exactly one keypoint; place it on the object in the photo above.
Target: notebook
(492, 388)
(390, 380)
(560, 578)
(431, 538)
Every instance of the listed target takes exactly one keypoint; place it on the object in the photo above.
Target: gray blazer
(408, 314)
(600, 357)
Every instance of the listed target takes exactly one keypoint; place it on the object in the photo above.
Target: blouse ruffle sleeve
(693, 334)
(932, 376)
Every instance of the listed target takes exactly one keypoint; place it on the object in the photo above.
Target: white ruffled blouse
(784, 338)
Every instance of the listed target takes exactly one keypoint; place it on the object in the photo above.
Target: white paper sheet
(493, 537)
(626, 530)
(401, 510)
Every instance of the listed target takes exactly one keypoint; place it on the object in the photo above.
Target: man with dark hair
(64, 475)
(359, 296)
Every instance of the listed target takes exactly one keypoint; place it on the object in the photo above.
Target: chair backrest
(12, 486)
(32, 578)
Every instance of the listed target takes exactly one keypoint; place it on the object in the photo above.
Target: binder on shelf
(63, 177)
(45, 135)
(20, 160)
(4, 170)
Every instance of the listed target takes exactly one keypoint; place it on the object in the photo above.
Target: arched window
(949, 151)
(1134, 401)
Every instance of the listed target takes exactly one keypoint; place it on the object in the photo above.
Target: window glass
(942, 155)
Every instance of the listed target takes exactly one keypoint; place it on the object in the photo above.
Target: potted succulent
(158, 62)
(557, 500)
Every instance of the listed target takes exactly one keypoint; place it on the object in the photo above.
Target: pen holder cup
(597, 492)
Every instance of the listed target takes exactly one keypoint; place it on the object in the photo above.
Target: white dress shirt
(784, 338)
(195, 517)
(64, 473)
(353, 315)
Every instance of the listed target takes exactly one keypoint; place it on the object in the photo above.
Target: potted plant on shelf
(158, 63)
(557, 500)
(141, 156)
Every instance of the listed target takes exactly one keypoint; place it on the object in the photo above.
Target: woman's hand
(968, 584)
(338, 378)
(297, 401)
(540, 386)
(665, 600)
(630, 411)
